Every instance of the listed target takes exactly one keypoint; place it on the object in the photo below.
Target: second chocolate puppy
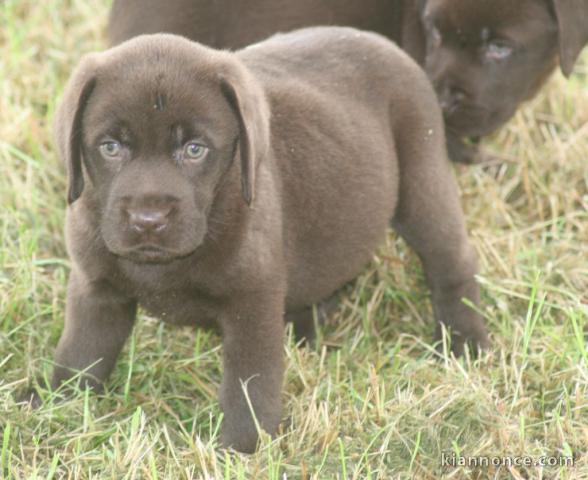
(229, 188)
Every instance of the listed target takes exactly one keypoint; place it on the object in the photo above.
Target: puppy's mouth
(151, 254)
(469, 120)
(151, 247)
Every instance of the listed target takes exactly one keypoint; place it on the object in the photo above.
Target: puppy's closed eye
(435, 36)
(497, 50)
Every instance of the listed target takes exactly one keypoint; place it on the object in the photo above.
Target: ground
(372, 399)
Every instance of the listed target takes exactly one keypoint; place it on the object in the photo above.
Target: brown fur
(305, 170)
(450, 38)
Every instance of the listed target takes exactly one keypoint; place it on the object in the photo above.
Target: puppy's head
(485, 57)
(149, 132)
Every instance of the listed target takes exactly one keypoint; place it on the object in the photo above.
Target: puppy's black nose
(148, 220)
(451, 97)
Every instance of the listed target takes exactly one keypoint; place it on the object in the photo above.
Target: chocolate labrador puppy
(217, 188)
(484, 57)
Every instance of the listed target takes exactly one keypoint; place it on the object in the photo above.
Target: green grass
(370, 401)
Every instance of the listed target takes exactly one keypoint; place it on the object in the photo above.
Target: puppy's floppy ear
(572, 22)
(68, 123)
(248, 101)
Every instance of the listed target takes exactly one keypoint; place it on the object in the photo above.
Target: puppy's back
(234, 24)
(344, 103)
(341, 58)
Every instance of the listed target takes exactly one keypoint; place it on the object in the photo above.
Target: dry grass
(370, 401)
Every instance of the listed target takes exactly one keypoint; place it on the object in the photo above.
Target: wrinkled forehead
(521, 17)
(148, 95)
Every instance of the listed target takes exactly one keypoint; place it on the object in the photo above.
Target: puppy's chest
(180, 307)
(171, 298)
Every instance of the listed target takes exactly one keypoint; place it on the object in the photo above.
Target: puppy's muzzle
(451, 98)
(148, 218)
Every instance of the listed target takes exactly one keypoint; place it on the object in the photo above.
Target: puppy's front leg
(98, 320)
(253, 356)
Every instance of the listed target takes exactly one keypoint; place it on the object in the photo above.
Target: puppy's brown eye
(195, 151)
(110, 149)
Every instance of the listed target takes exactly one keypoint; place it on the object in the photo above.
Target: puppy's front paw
(31, 398)
(241, 432)
(239, 435)
(473, 333)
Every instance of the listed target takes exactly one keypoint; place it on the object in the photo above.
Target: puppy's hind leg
(303, 319)
(303, 323)
(429, 217)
